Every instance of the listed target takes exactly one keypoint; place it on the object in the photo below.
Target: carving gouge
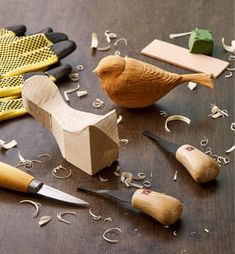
(200, 166)
(163, 208)
(15, 179)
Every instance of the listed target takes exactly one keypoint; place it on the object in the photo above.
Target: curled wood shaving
(109, 231)
(109, 219)
(140, 176)
(44, 155)
(35, 204)
(206, 230)
(8, 145)
(163, 113)
(137, 185)
(124, 140)
(121, 39)
(70, 91)
(126, 178)
(174, 233)
(81, 93)
(176, 117)
(192, 85)
(217, 112)
(229, 48)
(79, 67)
(109, 35)
(98, 103)
(103, 179)
(229, 75)
(61, 214)
(232, 126)
(44, 220)
(117, 53)
(58, 168)
(95, 217)
(74, 76)
(119, 119)
(231, 58)
(147, 184)
(27, 164)
(204, 141)
(230, 149)
(94, 41)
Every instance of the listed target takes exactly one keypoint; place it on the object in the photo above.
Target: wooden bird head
(109, 68)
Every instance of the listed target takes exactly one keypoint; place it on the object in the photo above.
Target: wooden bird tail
(200, 78)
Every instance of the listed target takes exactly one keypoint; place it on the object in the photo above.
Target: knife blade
(17, 180)
(163, 208)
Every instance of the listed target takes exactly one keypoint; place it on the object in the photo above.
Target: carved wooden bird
(135, 84)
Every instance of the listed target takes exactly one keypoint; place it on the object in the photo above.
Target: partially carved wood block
(86, 140)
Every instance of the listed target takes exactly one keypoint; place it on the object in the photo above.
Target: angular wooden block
(86, 140)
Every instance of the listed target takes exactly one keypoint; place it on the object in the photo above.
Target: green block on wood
(201, 42)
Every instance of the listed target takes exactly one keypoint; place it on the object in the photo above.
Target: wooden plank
(180, 56)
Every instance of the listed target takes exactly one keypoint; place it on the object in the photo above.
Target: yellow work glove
(12, 106)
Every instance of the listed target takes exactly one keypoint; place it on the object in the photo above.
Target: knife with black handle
(17, 180)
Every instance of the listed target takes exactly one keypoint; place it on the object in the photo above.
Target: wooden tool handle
(13, 178)
(161, 207)
(201, 166)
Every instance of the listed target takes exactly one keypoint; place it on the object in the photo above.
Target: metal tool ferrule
(34, 186)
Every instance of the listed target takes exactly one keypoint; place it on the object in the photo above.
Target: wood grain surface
(207, 223)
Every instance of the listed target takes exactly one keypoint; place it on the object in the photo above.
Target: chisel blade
(168, 146)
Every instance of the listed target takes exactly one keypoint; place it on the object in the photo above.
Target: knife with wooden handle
(17, 180)
(163, 208)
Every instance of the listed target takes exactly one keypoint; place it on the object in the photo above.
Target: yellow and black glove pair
(22, 55)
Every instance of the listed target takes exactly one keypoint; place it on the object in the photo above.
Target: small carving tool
(17, 180)
(200, 166)
(163, 208)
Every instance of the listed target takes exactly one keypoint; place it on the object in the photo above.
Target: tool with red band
(200, 166)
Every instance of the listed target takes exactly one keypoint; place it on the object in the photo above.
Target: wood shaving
(109, 35)
(98, 103)
(44, 220)
(117, 53)
(147, 184)
(79, 67)
(121, 39)
(166, 226)
(111, 230)
(230, 149)
(74, 76)
(81, 93)
(172, 36)
(140, 176)
(204, 141)
(175, 176)
(231, 58)
(44, 155)
(35, 204)
(58, 168)
(174, 233)
(229, 75)
(232, 126)
(217, 112)
(137, 185)
(103, 179)
(109, 219)
(192, 85)
(126, 178)
(61, 214)
(119, 119)
(94, 41)
(8, 145)
(229, 48)
(104, 48)
(176, 117)
(27, 164)
(70, 91)
(95, 217)
(124, 140)
(230, 69)
(163, 113)
(206, 230)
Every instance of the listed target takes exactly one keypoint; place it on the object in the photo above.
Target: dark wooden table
(207, 223)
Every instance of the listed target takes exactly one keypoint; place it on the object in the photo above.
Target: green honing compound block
(201, 42)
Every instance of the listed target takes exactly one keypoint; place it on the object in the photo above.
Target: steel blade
(168, 146)
(53, 193)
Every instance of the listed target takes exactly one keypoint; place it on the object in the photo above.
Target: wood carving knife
(200, 166)
(164, 208)
(17, 180)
